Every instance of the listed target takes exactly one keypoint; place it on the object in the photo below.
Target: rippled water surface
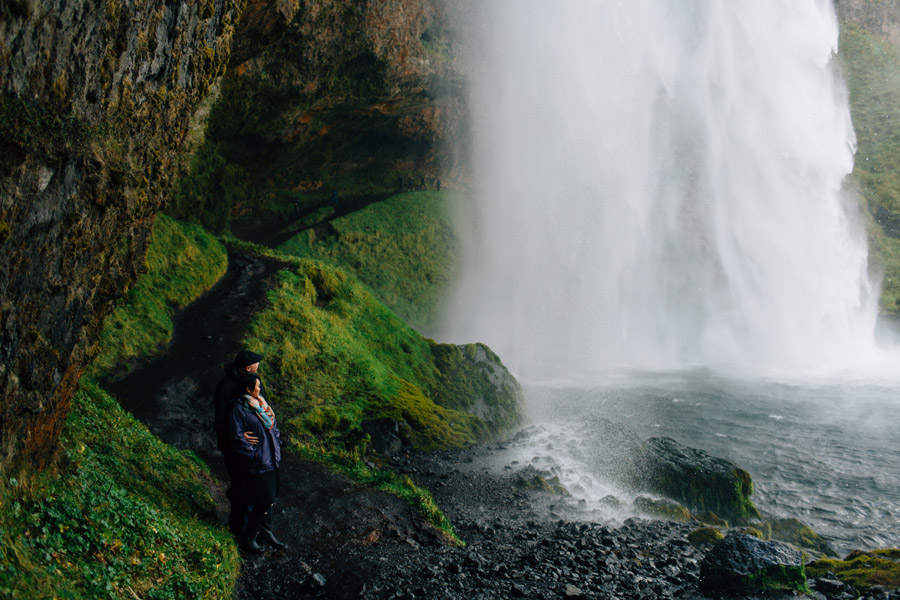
(826, 454)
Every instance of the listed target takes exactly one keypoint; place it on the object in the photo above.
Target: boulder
(742, 564)
(384, 436)
(692, 477)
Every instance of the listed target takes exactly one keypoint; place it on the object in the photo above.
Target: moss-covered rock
(692, 477)
(862, 569)
(533, 479)
(795, 532)
(472, 379)
(93, 100)
(741, 564)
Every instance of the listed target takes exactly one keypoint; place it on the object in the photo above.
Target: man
(227, 391)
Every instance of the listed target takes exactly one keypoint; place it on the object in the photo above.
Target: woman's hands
(251, 439)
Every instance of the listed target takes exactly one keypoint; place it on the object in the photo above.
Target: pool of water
(826, 453)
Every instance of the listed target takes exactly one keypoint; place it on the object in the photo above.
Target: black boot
(266, 536)
(254, 523)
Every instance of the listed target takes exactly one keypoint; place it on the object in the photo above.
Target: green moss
(711, 518)
(780, 577)
(862, 569)
(43, 129)
(334, 354)
(664, 508)
(656, 466)
(793, 531)
(754, 532)
(4, 232)
(705, 535)
(118, 518)
(435, 427)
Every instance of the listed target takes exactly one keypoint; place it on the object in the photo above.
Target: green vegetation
(335, 357)
(121, 515)
(872, 68)
(183, 261)
(384, 480)
(403, 248)
(795, 532)
(705, 535)
(862, 570)
(660, 466)
(663, 508)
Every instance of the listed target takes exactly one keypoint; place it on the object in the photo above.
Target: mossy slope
(335, 356)
(862, 569)
(871, 66)
(403, 248)
(123, 515)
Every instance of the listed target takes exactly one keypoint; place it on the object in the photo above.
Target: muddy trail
(347, 541)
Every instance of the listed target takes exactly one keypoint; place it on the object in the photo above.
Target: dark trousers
(237, 518)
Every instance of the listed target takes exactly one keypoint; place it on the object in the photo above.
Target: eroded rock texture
(351, 96)
(96, 97)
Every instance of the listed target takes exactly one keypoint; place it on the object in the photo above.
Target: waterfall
(659, 184)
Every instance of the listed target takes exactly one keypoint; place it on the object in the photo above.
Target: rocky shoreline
(519, 544)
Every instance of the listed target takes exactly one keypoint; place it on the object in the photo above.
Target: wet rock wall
(95, 98)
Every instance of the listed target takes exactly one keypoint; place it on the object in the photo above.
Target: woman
(253, 418)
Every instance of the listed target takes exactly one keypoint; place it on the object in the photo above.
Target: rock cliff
(96, 97)
(352, 95)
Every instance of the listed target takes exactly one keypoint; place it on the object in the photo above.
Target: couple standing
(249, 440)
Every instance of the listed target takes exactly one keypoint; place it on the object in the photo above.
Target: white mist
(659, 185)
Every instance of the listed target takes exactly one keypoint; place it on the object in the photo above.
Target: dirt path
(321, 516)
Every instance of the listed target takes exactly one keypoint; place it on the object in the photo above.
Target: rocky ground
(347, 541)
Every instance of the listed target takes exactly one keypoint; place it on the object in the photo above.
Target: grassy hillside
(403, 248)
(336, 356)
(872, 68)
(122, 515)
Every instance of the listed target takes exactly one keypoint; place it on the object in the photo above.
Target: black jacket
(227, 391)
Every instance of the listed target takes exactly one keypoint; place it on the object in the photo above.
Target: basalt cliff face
(96, 97)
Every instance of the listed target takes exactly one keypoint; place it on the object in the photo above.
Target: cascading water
(659, 185)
